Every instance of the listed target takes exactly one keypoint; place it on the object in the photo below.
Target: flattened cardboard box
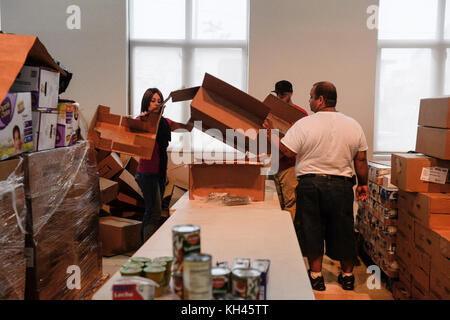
(434, 142)
(409, 169)
(108, 190)
(110, 166)
(435, 112)
(119, 235)
(122, 134)
(221, 106)
(238, 179)
(128, 185)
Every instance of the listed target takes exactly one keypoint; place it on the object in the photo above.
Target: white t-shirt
(325, 143)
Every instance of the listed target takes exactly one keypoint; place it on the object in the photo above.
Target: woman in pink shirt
(151, 173)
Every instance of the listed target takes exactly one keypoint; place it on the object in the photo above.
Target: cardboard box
(108, 190)
(101, 154)
(405, 251)
(412, 173)
(404, 275)
(67, 124)
(377, 171)
(122, 197)
(22, 50)
(425, 238)
(128, 185)
(419, 293)
(444, 243)
(221, 106)
(400, 291)
(405, 225)
(435, 112)
(110, 166)
(119, 235)
(16, 128)
(122, 134)
(12, 231)
(434, 142)
(282, 114)
(238, 179)
(432, 210)
(421, 269)
(64, 195)
(440, 278)
(44, 129)
(43, 83)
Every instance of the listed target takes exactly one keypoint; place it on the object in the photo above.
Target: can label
(178, 284)
(133, 291)
(220, 283)
(246, 285)
(197, 279)
(183, 244)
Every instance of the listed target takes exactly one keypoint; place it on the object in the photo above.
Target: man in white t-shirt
(326, 144)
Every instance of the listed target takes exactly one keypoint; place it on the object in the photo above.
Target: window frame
(439, 48)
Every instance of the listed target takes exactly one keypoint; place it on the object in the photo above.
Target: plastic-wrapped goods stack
(423, 248)
(377, 219)
(12, 230)
(62, 192)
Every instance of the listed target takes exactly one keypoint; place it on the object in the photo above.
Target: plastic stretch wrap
(63, 192)
(12, 232)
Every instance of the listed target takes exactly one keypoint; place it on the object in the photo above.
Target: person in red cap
(285, 179)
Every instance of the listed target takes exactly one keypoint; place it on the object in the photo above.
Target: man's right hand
(362, 192)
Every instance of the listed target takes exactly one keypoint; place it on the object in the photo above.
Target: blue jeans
(149, 184)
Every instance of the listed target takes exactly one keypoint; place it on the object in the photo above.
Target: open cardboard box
(282, 114)
(221, 106)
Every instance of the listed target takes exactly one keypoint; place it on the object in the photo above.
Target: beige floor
(330, 271)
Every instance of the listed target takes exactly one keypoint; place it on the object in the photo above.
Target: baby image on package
(16, 127)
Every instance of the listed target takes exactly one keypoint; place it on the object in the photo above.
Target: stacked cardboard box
(377, 219)
(63, 199)
(424, 207)
(12, 232)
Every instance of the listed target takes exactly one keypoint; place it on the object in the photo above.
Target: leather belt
(327, 176)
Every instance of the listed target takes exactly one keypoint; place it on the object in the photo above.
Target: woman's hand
(144, 115)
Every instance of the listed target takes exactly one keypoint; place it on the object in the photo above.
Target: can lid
(156, 264)
(186, 228)
(154, 269)
(140, 259)
(197, 257)
(165, 259)
(129, 265)
(247, 273)
(220, 271)
(130, 270)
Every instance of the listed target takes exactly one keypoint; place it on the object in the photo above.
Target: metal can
(140, 260)
(220, 278)
(185, 240)
(168, 262)
(197, 277)
(245, 283)
(156, 273)
(129, 272)
(159, 264)
(178, 283)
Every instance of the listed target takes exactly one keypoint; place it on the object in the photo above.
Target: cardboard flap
(283, 110)
(17, 50)
(236, 97)
(184, 94)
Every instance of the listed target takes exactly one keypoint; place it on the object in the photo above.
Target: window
(174, 42)
(413, 63)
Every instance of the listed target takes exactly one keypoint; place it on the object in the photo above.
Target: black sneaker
(317, 283)
(347, 282)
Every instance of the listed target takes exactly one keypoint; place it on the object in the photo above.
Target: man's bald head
(328, 91)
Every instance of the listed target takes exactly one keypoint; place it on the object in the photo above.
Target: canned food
(128, 272)
(263, 266)
(168, 261)
(220, 278)
(241, 263)
(178, 283)
(197, 277)
(185, 240)
(142, 260)
(156, 273)
(159, 264)
(245, 283)
(133, 265)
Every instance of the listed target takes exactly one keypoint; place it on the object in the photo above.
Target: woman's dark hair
(16, 128)
(148, 95)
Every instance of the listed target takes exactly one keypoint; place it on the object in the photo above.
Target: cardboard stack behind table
(424, 206)
(377, 219)
(12, 232)
(63, 198)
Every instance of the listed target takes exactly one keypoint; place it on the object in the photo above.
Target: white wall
(97, 54)
(310, 41)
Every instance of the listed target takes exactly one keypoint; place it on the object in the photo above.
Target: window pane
(447, 20)
(447, 74)
(219, 20)
(157, 19)
(405, 78)
(225, 64)
(408, 19)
